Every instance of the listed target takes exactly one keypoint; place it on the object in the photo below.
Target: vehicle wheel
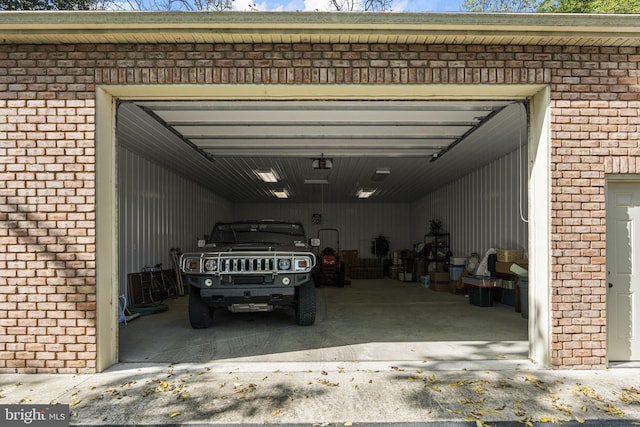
(306, 304)
(200, 314)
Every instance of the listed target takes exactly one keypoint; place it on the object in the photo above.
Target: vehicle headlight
(211, 265)
(192, 265)
(284, 264)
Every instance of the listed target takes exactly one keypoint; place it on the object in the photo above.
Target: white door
(623, 276)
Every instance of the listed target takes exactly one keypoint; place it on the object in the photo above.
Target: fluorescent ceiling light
(365, 193)
(267, 175)
(318, 180)
(281, 194)
(381, 174)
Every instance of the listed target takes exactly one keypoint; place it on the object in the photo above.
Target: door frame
(107, 96)
(609, 180)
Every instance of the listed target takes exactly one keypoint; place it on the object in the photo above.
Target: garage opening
(185, 164)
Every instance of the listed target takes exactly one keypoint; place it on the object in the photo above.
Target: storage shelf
(439, 247)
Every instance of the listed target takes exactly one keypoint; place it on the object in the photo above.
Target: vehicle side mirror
(314, 242)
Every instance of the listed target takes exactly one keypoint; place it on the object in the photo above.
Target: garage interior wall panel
(159, 210)
(357, 223)
(485, 209)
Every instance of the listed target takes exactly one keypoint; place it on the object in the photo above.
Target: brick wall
(47, 164)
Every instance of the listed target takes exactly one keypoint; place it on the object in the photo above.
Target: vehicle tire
(200, 314)
(306, 304)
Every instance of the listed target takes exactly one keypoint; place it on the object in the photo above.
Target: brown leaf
(612, 410)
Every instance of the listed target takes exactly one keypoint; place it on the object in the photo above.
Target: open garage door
(459, 161)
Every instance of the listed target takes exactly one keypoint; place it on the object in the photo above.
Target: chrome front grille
(246, 265)
(247, 262)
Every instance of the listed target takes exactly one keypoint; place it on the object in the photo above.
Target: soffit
(319, 27)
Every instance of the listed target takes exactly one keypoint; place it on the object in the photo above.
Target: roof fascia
(130, 27)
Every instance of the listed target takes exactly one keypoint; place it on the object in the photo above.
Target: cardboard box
(405, 276)
(509, 255)
(439, 281)
(348, 256)
(505, 267)
(453, 286)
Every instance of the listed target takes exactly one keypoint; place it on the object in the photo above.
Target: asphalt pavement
(491, 393)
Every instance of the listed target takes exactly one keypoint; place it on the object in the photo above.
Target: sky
(323, 5)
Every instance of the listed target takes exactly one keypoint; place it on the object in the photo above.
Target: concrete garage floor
(367, 321)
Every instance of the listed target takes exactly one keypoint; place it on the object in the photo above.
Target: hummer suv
(251, 266)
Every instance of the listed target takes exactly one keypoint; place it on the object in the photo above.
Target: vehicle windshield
(277, 233)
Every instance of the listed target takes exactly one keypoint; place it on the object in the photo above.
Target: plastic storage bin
(508, 294)
(508, 297)
(482, 296)
(424, 280)
(523, 285)
(455, 271)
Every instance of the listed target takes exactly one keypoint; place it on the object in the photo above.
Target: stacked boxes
(347, 256)
(439, 281)
(366, 268)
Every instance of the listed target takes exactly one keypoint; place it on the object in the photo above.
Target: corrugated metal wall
(482, 210)
(159, 210)
(357, 223)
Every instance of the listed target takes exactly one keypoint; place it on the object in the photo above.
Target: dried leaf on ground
(175, 414)
(480, 423)
(611, 410)
(457, 383)
(504, 384)
(538, 383)
(242, 390)
(629, 395)
(565, 408)
(327, 383)
(528, 421)
(588, 392)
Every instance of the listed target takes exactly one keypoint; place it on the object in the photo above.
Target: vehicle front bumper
(229, 290)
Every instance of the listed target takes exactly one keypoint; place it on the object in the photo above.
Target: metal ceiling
(419, 146)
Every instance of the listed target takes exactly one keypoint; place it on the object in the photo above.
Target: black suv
(251, 266)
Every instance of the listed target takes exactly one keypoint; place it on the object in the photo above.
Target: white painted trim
(106, 232)
(427, 92)
(539, 173)
(540, 230)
